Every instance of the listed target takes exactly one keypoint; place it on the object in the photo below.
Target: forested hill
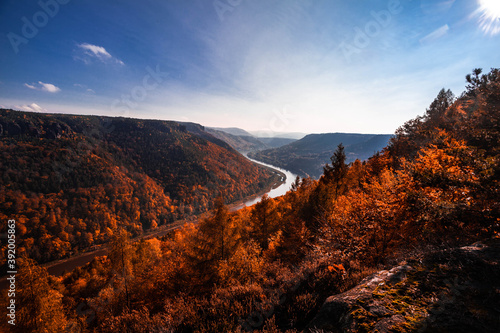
(245, 142)
(308, 156)
(271, 267)
(242, 143)
(71, 181)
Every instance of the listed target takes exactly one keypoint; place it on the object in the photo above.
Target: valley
(71, 181)
(307, 156)
(390, 232)
(260, 166)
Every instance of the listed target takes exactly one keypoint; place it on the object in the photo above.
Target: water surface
(280, 190)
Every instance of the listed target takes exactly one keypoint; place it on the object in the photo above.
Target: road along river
(59, 267)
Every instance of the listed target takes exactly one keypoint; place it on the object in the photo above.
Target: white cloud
(47, 87)
(33, 107)
(90, 51)
(97, 51)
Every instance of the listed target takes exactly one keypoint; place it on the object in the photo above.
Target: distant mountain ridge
(275, 142)
(308, 156)
(273, 134)
(242, 143)
(245, 142)
(232, 130)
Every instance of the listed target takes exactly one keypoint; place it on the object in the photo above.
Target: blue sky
(280, 66)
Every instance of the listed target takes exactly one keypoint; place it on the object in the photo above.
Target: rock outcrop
(455, 290)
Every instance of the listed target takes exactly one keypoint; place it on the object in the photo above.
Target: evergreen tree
(331, 185)
(335, 175)
(438, 107)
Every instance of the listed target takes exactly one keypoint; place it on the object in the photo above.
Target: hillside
(72, 181)
(242, 143)
(231, 130)
(286, 135)
(389, 245)
(308, 156)
(275, 142)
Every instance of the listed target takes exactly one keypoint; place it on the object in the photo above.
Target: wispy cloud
(33, 107)
(82, 86)
(436, 7)
(272, 67)
(88, 52)
(47, 87)
(435, 35)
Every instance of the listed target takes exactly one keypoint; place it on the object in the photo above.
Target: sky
(310, 66)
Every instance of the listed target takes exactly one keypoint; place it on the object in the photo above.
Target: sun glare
(490, 16)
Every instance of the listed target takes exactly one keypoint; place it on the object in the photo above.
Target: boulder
(340, 312)
(453, 290)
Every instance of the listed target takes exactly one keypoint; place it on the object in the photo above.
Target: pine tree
(437, 110)
(217, 231)
(335, 175)
(331, 185)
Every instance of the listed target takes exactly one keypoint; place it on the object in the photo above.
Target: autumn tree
(438, 107)
(290, 242)
(40, 305)
(218, 231)
(264, 221)
(121, 255)
(445, 175)
(213, 241)
(331, 185)
(356, 174)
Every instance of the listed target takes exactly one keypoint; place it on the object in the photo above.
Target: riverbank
(282, 179)
(56, 267)
(61, 266)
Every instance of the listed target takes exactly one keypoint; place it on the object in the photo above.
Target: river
(280, 190)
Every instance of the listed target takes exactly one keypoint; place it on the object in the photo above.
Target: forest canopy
(271, 266)
(71, 182)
